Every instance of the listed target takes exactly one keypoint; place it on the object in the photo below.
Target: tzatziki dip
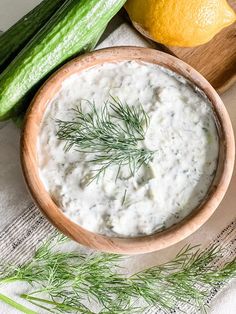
(180, 134)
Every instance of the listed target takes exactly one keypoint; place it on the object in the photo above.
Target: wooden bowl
(142, 244)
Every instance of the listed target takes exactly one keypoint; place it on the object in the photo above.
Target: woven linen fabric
(19, 240)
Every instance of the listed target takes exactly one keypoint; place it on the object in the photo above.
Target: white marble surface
(13, 194)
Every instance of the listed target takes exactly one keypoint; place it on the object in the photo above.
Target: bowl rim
(142, 244)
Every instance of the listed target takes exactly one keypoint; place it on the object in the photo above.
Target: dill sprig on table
(69, 282)
(112, 134)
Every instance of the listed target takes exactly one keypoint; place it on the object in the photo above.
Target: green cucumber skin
(16, 37)
(72, 28)
(18, 119)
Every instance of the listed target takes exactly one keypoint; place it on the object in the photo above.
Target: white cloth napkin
(22, 226)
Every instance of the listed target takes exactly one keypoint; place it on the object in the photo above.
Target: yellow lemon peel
(180, 23)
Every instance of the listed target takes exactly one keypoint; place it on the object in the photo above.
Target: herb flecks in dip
(181, 132)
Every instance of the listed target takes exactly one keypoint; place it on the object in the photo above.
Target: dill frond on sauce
(114, 134)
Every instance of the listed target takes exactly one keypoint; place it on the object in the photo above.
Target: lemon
(184, 23)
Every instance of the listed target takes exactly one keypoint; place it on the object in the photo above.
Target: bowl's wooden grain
(125, 245)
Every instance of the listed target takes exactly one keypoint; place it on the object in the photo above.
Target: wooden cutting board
(215, 60)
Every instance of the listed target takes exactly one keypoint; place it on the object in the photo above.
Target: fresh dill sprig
(112, 134)
(69, 282)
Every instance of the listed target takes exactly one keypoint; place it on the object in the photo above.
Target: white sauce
(182, 129)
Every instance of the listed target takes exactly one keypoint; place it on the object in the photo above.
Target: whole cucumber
(16, 37)
(70, 29)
